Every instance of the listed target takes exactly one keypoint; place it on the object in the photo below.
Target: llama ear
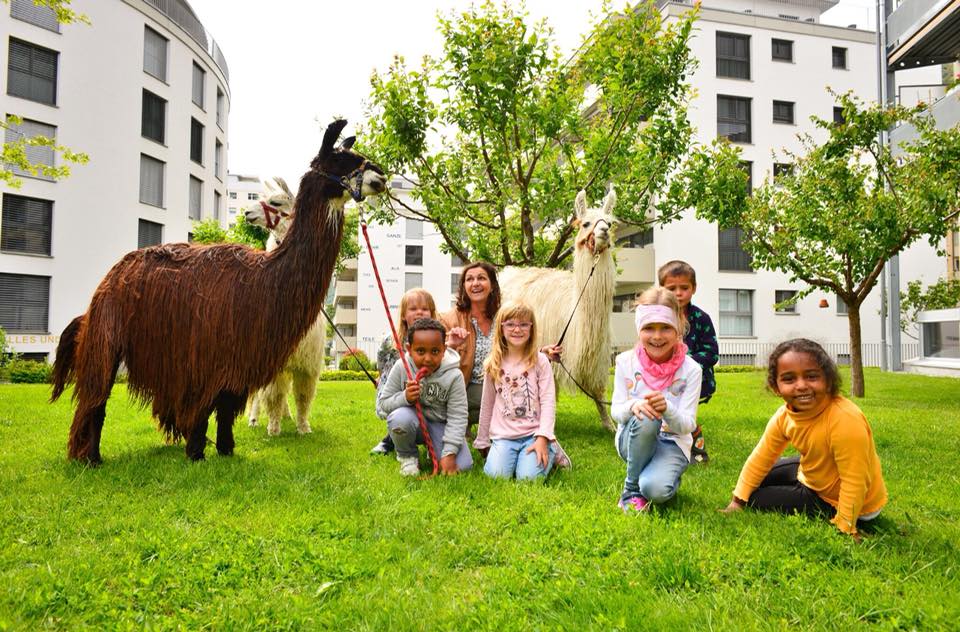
(580, 203)
(609, 202)
(330, 138)
(267, 183)
(348, 142)
(283, 185)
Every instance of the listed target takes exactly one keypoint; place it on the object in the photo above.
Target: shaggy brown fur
(199, 326)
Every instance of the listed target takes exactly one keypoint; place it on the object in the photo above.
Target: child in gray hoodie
(442, 396)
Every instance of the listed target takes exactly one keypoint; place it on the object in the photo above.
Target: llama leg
(197, 440)
(304, 390)
(604, 413)
(228, 406)
(275, 402)
(85, 433)
(255, 408)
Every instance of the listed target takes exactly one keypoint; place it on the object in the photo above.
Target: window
(216, 205)
(217, 158)
(37, 155)
(747, 167)
(839, 57)
(454, 285)
(253, 196)
(783, 112)
(412, 280)
(941, 340)
(733, 55)
(347, 303)
(38, 15)
(151, 180)
(731, 254)
(780, 296)
(233, 195)
(623, 303)
(782, 50)
(838, 118)
(841, 307)
(221, 114)
(414, 229)
(414, 256)
(154, 54)
(199, 77)
(32, 72)
(196, 198)
(348, 331)
(733, 118)
(196, 141)
(153, 121)
(736, 312)
(26, 225)
(149, 234)
(781, 170)
(24, 302)
(637, 240)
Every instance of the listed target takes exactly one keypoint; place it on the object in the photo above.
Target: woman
(469, 326)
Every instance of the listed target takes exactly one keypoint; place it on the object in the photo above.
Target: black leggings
(781, 491)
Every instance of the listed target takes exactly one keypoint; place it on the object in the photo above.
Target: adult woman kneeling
(469, 327)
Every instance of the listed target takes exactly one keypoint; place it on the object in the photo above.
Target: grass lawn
(311, 532)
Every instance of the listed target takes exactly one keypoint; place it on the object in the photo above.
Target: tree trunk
(856, 358)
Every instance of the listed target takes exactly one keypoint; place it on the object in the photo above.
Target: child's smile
(658, 340)
(800, 381)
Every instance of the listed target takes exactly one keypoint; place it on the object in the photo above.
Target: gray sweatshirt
(443, 397)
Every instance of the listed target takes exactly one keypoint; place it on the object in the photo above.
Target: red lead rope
(403, 357)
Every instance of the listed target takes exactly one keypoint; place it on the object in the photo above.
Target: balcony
(945, 110)
(345, 316)
(345, 288)
(636, 265)
(623, 332)
(923, 32)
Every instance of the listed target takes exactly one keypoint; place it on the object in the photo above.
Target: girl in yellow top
(838, 471)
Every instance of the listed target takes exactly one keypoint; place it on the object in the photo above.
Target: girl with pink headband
(655, 393)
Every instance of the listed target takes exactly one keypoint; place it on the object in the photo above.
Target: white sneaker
(409, 465)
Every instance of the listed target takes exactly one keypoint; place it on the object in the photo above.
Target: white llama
(552, 295)
(304, 366)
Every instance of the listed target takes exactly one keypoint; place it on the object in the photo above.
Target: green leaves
(500, 132)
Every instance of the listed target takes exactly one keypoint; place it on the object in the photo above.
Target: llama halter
(352, 182)
(272, 215)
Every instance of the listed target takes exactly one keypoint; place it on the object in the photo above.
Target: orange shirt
(838, 459)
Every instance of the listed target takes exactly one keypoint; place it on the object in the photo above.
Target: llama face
(355, 174)
(274, 213)
(596, 225)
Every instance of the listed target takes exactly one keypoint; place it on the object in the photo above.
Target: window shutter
(151, 180)
(24, 302)
(32, 72)
(26, 225)
(149, 234)
(38, 155)
(38, 15)
(198, 77)
(153, 124)
(154, 54)
(196, 198)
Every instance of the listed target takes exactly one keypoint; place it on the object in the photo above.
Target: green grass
(311, 532)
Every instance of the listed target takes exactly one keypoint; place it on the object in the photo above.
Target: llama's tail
(63, 366)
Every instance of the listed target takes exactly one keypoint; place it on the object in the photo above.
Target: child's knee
(658, 490)
(402, 422)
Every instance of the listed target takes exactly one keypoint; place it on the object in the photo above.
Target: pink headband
(647, 314)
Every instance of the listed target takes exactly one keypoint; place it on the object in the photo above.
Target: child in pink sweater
(517, 410)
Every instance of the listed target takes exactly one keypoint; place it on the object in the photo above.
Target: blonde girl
(518, 405)
(655, 394)
(415, 304)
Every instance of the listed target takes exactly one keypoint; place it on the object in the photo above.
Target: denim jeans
(509, 457)
(405, 431)
(654, 463)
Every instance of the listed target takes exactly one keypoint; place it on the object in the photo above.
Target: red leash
(403, 356)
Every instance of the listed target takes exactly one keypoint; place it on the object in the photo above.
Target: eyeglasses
(521, 326)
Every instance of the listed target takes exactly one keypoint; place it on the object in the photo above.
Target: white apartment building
(764, 69)
(242, 191)
(408, 256)
(143, 90)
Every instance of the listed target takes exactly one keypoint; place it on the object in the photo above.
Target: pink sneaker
(562, 459)
(637, 504)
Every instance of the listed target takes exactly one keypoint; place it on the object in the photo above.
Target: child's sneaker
(384, 447)
(409, 465)
(561, 460)
(636, 504)
(698, 454)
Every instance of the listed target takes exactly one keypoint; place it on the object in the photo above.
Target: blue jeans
(405, 430)
(509, 457)
(654, 463)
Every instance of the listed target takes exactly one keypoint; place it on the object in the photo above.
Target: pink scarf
(659, 375)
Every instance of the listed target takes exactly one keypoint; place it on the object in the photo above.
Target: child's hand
(413, 392)
(735, 505)
(658, 402)
(542, 448)
(643, 408)
(448, 465)
(456, 337)
(552, 352)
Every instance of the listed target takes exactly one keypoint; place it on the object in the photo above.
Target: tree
(943, 294)
(209, 231)
(16, 152)
(849, 205)
(500, 133)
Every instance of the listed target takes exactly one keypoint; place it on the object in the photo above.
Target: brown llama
(198, 327)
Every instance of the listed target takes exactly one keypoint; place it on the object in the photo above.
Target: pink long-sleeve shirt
(519, 403)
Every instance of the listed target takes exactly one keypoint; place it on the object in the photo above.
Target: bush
(345, 376)
(736, 368)
(29, 372)
(349, 361)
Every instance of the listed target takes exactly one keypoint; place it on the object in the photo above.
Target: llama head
(355, 176)
(275, 212)
(594, 224)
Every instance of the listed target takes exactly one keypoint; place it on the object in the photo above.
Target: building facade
(242, 191)
(143, 90)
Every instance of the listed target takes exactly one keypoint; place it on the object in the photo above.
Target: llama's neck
(592, 318)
